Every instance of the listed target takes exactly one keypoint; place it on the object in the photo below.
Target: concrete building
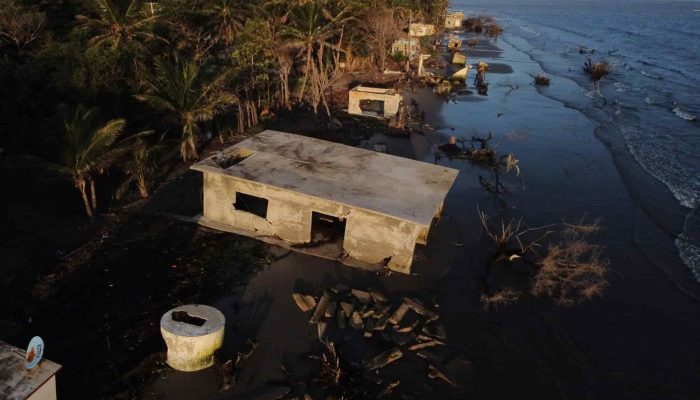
(386, 101)
(419, 29)
(454, 43)
(406, 46)
(454, 20)
(294, 189)
(19, 383)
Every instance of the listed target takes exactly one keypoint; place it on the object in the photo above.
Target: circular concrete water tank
(193, 333)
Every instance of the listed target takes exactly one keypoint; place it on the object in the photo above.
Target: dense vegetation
(95, 85)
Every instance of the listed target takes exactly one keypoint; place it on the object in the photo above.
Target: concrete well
(192, 333)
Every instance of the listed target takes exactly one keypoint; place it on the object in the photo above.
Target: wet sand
(642, 340)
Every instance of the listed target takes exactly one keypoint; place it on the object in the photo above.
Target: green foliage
(399, 56)
(234, 59)
(187, 93)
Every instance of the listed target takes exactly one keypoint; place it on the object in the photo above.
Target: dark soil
(95, 291)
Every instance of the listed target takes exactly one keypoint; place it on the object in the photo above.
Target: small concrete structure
(19, 383)
(454, 43)
(454, 20)
(459, 58)
(390, 99)
(192, 333)
(406, 46)
(418, 29)
(462, 73)
(286, 187)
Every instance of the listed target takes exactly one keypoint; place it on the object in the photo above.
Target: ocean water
(651, 100)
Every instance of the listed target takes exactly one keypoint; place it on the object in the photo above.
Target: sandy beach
(593, 350)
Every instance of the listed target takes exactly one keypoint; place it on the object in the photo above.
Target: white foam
(690, 254)
(684, 115)
(648, 75)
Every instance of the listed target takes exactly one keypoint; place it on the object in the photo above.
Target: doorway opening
(372, 108)
(326, 229)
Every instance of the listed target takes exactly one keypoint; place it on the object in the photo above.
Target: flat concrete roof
(399, 187)
(367, 89)
(17, 382)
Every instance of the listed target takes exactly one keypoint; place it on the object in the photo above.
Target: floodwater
(641, 340)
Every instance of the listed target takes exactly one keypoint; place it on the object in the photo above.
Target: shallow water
(651, 98)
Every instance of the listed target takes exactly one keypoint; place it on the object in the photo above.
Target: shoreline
(452, 265)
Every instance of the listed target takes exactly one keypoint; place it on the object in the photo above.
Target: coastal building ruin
(454, 20)
(454, 43)
(375, 102)
(407, 46)
(459, 58)
(418, 29)
(294, 191)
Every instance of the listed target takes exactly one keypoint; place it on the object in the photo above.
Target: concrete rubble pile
(407, 327)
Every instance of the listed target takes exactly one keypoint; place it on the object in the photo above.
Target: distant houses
(418, 29)
(454, 20)
(406, 46)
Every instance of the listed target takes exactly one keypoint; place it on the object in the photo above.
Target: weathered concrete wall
(373, 238)
(418, 29)
(369, 237)
(454, 20)
(391, 101)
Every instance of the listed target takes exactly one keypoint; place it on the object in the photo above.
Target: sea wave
(683, 114)
(648, 75)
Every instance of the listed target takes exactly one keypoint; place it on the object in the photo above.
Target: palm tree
(141, 162)
(227, 16)
(88, 151)
(118, 26)
(307, 27)
(188, 93)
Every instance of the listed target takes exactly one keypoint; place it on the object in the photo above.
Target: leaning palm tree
(87, 151)
(117, 25)
(188, 94)
(142, 161)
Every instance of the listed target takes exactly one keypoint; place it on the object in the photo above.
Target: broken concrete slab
(304, 302)
(399, 314)
(419, 308)
(320, 311)
(383, 359)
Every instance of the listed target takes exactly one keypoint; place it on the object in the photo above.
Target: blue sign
(35, 351)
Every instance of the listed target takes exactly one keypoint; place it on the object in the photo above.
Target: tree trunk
(81, 185)
(309, 48)
(93, 194)
(143, 186)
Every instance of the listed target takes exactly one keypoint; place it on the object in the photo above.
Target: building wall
(369, 237)
(391, 102)
(418, 29)
(454, 20)
(408, 48)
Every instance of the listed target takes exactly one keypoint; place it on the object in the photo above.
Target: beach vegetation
(596, 69)
(190, 73)
(570, 269)
(541, 80)
(494, 30)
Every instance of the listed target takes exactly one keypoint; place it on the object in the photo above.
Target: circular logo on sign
(35, 351)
